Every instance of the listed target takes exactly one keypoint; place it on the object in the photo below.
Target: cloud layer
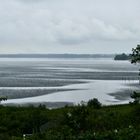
(68, 26)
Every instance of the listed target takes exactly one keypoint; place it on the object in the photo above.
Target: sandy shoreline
(125, 94)
(117, 92)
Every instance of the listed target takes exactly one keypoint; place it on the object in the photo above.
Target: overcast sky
(69, 26)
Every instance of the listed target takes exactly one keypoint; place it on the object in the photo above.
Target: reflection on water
(103, 76)
(94, 89)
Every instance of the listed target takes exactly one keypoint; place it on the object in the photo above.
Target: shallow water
(94, 89)
(101, 77)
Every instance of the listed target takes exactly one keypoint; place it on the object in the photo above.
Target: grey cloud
(30, 1)
(61, 23)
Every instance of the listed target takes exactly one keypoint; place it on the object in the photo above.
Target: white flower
(69, 114)
(116, 131)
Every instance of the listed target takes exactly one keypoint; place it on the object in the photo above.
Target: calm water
(71, 80)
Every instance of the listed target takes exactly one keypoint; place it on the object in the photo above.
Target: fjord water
(66, 80)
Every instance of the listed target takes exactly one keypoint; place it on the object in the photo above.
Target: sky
(69, 26)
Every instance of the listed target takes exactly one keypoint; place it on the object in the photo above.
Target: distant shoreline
(57, 55)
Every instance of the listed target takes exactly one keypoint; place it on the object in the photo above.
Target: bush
(136, 97)
(94, 103)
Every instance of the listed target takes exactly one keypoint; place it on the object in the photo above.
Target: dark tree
(94, 103)
(3, 99)
(135, 56)
(136, 97)
(122, 56)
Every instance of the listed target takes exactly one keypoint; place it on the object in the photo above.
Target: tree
(136, 97)
(3, 99)
(94, 103)
(122, 56)
(135, 56)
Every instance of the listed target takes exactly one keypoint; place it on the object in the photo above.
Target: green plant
(94, 103)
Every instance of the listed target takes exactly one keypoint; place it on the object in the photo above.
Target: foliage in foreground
(136, 97)
(135, 56)
(120, 122)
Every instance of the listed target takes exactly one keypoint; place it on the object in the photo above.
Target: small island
(122, 56)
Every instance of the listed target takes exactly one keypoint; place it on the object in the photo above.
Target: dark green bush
(94, 103)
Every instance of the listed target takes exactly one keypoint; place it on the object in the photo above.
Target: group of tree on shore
(134, 57)
(122, 56)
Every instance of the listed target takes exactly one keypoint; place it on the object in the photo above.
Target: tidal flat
(66, 80)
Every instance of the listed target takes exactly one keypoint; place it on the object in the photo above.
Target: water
(60, 80)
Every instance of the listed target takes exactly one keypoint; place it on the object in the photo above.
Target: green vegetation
(122, 56)
(119, 122)
(3, 99)
(135, 56)
(94, 103)
(136, 97)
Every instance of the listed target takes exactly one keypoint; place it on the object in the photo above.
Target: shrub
(94, 103)
(136, 97)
